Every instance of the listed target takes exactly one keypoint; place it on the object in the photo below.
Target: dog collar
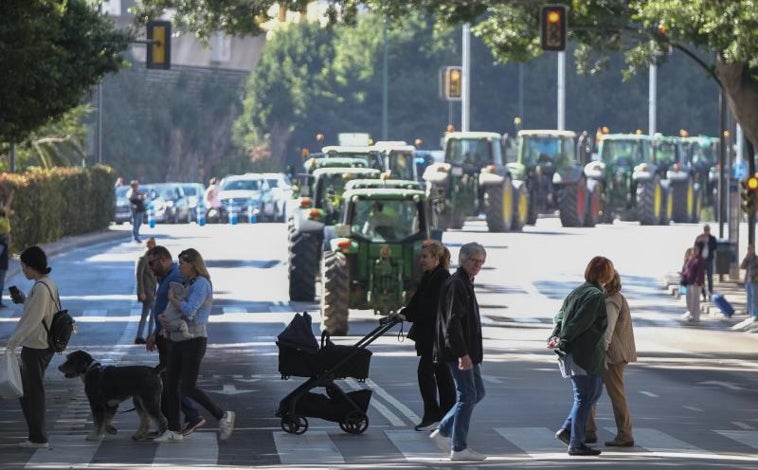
(93, 365)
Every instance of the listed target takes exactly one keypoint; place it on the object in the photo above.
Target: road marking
(742, 425)
(538, 443)
(201, 449)
(692, 408)
(649, 394)
(74, 450)
(728, 385)
(313, 447)
(379, 406)
(749, 438)
(400, 406)
(660, 442)
(414, 445)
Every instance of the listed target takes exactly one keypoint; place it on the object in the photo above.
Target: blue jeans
(136, 223)
(470, 391)
(586, 390)
(752, 298)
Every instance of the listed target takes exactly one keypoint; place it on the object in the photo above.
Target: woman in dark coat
(434, 379)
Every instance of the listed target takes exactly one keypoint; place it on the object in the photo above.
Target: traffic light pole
(751, 215)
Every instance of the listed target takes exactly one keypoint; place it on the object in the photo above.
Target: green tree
(53, 52)
(723, 32)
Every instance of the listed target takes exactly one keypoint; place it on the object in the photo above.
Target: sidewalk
(60, 246)
(734, 293)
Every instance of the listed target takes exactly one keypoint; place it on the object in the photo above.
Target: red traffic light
(553, 27)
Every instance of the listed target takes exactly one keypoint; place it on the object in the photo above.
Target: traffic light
(553, 27)
(159, 45)
(453, 83)
(749, 194)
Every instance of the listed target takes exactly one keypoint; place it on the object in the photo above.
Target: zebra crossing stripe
(201, 449)
(538, 443)
(660, 442)
(311, 447)
(414, 445)
(748, 438)
(72, 449)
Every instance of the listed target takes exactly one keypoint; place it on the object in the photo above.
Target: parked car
(168, 202)
(194, 193)
(243, 193)
(280, 191)
(123, 212)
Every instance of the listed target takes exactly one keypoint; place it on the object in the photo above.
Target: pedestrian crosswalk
(378, 447)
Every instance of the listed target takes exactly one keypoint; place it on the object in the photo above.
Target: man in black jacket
(707, 245)
(458, 343)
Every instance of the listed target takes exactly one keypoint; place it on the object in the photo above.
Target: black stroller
(301, 356)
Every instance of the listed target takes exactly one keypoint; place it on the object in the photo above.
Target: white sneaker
(226, 426)
(27, 444)
(744, 323)
(169, 436)
(467, 454)
(442, 442)
(686, 316)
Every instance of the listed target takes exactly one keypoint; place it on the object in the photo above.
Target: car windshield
(538, 150)
(242, 185)
(191, 190)
(385, 220)
(469, 151)
(401, 165)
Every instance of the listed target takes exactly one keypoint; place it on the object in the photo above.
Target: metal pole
(100, 122)
(385, 90)
(652, 98)
(520, 91)
(561, 90)
(466, 69)
(13, 157)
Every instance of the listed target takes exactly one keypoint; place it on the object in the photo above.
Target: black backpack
(61, 328)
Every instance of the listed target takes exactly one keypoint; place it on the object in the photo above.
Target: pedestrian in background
(166, 271)
(186, 355)
(5, 242)
(434, 379)
(577, 339)
(750, 265)
(30, 333)
(706, 243)
(693, 275)
(146, 285)
(138, 202)
(458, 343)
(618, 343)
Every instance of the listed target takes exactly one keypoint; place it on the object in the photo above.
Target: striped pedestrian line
(311, 447)
(200, 450)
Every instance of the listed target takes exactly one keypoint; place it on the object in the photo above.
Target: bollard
(200, 215)
(150, 215)
(232, 213)
(251, 211)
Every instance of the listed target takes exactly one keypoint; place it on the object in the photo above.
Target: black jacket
(422, 309)
(712, 245)
(459, 330)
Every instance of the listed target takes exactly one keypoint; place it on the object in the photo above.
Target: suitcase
(723, 305)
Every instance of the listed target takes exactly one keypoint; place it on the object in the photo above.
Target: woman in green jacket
(577, 339)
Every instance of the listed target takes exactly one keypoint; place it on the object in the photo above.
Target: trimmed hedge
(51, 204)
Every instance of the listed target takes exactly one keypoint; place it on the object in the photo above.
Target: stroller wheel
(294, 424)
(355, 422)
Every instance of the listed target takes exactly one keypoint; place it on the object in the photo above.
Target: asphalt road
(691, 393)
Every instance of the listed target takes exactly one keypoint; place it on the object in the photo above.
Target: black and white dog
(106, 387)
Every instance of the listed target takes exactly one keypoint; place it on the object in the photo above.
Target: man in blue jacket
(167, 271)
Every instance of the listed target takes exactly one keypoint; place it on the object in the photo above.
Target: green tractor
(546, 164)
(399, 159)
(372, 262)
(701, 154)
(630, 175)
(474, 179)
(318, 208)
(684, 185)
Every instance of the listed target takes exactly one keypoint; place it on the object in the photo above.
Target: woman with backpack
(30, 333)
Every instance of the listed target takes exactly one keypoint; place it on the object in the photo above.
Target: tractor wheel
(667, 204)
(594, 209)
(440, 220)
(304, 254)
(500, 206)
(683, 195)
(335, 293)
(698, 205)
(573, 203)
(651, 201)
(520, 206)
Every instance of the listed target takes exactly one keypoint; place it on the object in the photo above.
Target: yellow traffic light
(452, 83)
(749, 194)
(158, 45)
(553, 27)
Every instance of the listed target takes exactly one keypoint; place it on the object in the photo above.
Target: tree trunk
(278, 138)
(742, 95)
